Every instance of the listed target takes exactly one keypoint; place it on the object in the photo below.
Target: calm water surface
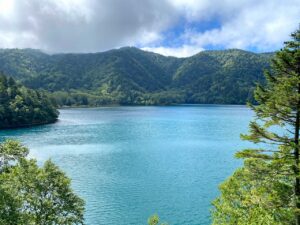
(130, 162)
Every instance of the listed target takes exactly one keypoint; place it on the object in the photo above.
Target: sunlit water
(130, 162)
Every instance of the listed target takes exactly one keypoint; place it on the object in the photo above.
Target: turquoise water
(131, 162)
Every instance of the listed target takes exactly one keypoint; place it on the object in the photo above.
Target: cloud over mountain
(170, 27)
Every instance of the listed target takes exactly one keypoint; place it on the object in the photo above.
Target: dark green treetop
(20, 106)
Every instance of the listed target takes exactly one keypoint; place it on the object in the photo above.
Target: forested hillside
(132, 76)
(20, 106)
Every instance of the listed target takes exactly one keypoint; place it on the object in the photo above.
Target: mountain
(131, 76)
(221, 76)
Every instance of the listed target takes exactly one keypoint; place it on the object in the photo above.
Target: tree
(20, 106)
(267, 189)
(35, 195)
(254, 194)
(11, 151)
(154, 220)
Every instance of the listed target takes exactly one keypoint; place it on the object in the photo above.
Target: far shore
(119, 105)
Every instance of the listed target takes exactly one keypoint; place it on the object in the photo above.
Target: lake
(131, 162)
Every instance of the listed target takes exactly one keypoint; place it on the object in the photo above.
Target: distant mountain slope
(132, 76)
(221, 76)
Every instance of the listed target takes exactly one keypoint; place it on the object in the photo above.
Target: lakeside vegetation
(20, 106)
(130, 76)
(35, 195)
(266, 190)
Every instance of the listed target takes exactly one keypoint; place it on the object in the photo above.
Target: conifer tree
(267, 189)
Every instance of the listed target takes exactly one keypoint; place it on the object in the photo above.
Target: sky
(178, 28)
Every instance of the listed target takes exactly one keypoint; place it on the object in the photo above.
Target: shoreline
(28, 125)
(170, 105)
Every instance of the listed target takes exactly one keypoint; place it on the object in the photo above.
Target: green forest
(130, 76)
(21, 106)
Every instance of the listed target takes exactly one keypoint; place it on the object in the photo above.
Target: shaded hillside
(132, 76)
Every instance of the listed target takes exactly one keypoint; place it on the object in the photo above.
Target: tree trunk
(296, 157)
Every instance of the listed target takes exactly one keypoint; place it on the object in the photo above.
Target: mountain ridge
(128, 48)
(129, 75)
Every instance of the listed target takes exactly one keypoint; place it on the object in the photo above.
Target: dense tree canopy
(267, 189)
(132, 76)
(20, 106)
(34, 195)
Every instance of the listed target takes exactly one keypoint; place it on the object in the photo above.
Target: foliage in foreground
(33, 195)
(154, 220)
(267, 189)
(20, 106)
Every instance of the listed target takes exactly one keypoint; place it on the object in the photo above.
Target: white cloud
(183, 51)
(256, 24)
(82, 25)
(264, 26)
(98, 25)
